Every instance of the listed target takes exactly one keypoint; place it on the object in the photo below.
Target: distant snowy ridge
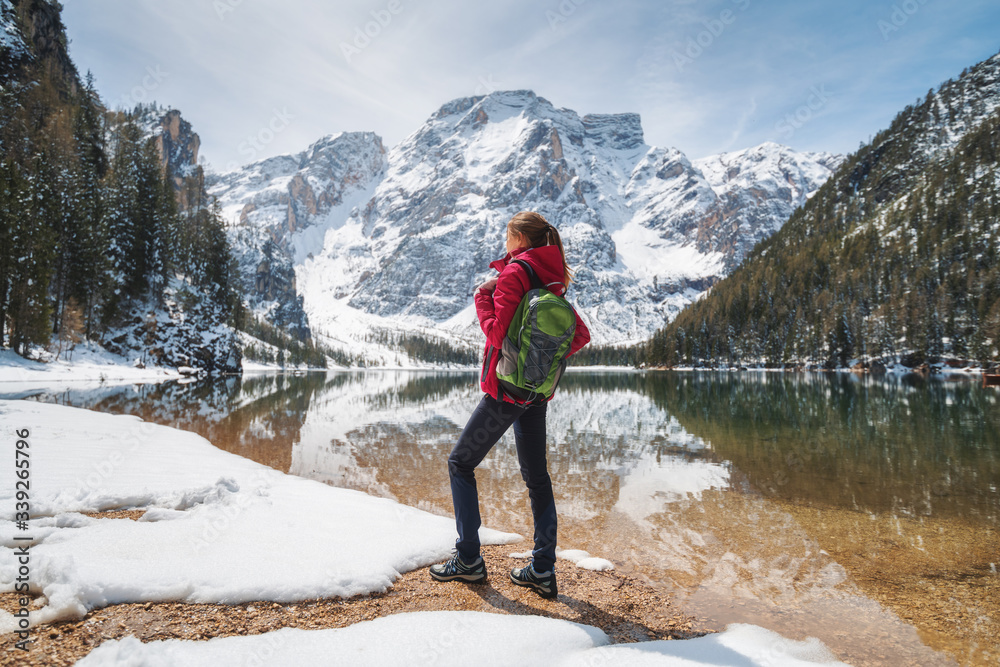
(408, 234)
(760, 187)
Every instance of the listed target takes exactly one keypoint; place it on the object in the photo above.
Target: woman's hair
(539, 233)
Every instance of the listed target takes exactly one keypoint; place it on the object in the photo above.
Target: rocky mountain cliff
(177, 144)
(398, 241)
(281, 208)
(31, 31)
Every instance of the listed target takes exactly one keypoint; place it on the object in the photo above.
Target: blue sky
(706, 76)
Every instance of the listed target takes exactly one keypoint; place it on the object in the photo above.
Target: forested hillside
(92, 241)
(894, 258)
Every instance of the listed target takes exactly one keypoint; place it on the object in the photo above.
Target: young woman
(532, 239)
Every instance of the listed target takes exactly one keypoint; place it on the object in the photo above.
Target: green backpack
(533, 356)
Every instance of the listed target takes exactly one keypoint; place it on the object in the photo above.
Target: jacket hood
(547, 262)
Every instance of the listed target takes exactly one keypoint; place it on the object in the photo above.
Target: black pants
(489, 421)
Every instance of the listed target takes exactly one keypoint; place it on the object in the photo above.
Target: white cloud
(232, 63)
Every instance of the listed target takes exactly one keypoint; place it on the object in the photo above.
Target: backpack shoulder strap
(532, 276)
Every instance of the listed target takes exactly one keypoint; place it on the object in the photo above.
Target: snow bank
(90, 362)
(741, 644)
(444, 638)
(218, 527)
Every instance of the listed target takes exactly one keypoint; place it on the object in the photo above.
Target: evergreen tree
(29, 264)
(122, 219)
(87, 264)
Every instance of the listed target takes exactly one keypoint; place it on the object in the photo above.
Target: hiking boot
(544, 583)
(457, 569)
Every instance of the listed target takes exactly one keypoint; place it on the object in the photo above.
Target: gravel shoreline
(625, 608)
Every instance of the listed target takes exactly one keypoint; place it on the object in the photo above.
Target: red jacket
(496, 309)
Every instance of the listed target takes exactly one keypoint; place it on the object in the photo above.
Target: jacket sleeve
(581, 337)
(496, 310)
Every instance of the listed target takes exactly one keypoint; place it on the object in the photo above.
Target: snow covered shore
(89, 364)
(220, 528)
(217, 527)
(461, 638)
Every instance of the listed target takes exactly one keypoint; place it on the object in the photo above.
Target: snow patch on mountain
(959, 106)
(280, 210)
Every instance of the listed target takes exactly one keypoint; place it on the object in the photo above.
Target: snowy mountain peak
(495, 107)
(305, 185)
(322, 145)
(616, 131)
(396, 242)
